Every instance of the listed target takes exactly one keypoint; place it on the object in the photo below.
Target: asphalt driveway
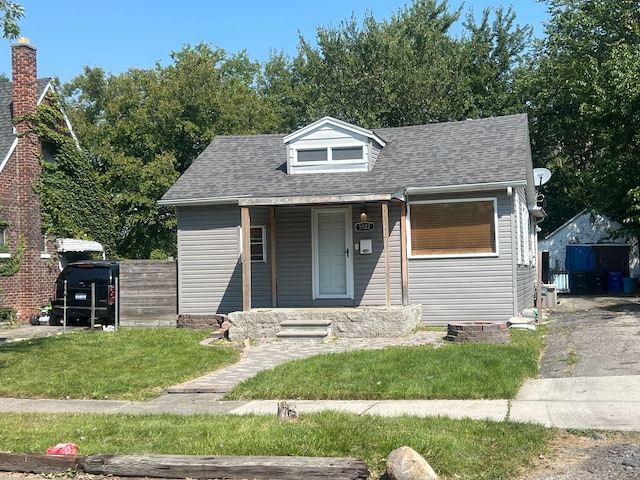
(593, 337)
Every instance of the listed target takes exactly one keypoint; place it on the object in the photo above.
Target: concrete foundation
(364, 322)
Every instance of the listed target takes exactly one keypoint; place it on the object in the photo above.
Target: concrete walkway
(599, 403)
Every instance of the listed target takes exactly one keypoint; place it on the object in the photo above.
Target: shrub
(7, 315)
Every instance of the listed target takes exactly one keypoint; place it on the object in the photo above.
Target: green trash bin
(629, 284)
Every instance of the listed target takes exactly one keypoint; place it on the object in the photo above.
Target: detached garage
(590, 254)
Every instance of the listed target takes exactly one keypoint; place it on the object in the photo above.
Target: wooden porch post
(403, 253)
(385, 240)
(274, 263)
(246, 258)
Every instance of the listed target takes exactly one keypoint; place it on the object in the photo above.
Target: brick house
(21, 236)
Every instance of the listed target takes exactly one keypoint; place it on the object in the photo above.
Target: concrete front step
(299, 323)
(299, 334)
(309, 330)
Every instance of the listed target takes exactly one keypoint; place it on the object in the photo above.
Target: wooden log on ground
(254, 467)
(39, 463)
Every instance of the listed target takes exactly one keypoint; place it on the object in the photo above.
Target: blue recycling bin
(615, 282)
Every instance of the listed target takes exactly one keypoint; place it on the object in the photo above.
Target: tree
(494, 56)
(400, 72)
(12, 12)
(411, 70)
(584, 93)
(143, 128)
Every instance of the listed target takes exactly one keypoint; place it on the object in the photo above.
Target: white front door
(332, 255)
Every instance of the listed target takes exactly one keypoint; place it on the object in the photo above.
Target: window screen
(319, 155)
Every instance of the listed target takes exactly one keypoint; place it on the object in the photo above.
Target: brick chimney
(27, 173)
(24, 74)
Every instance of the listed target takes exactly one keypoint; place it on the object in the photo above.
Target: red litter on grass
(63, 449)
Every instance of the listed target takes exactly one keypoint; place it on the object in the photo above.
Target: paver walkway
(270, 353)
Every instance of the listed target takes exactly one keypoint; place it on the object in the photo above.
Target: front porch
(322, 324)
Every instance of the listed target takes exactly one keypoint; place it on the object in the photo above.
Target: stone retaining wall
(200, 322)
(365, 322)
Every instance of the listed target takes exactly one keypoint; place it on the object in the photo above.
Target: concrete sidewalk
(595, 403)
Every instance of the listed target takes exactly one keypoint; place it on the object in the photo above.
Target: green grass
(132, 364)
(460, 449)
(451, 371)
(137, 363)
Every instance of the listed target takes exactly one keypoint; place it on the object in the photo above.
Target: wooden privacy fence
(148, 293)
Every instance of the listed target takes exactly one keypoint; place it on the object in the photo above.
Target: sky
(117, 35)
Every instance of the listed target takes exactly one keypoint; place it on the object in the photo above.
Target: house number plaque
(364, 226)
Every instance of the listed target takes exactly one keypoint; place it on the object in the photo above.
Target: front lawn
(131, 364)
(137, 363)
(456, 449)
(450, 371)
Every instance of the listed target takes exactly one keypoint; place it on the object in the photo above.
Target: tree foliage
(585, 108)
(411, 70)
(143, 128)
(11, 13)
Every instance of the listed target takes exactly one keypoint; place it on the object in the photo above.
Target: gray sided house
(334, 215)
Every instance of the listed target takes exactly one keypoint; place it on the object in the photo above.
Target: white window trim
(523, 233)
(330, 161)
(264, 244)
(5, 255)
(263, 241)
(459, 255)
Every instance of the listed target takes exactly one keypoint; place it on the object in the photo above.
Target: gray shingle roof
(491, 150)
(6, 121)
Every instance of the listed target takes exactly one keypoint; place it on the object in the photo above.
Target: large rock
(405, 463)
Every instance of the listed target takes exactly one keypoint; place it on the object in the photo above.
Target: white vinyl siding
(329, 148)
(523, 231)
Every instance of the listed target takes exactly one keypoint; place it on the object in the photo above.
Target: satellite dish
(541, 176)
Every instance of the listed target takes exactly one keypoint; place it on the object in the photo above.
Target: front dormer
(330, 145)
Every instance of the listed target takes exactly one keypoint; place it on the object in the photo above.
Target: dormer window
(330, 145)
(330, 155)
(305, 156)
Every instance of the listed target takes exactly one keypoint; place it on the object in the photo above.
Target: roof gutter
(192, 202)
(468, 187)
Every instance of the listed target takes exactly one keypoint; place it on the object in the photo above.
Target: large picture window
(453, 228)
